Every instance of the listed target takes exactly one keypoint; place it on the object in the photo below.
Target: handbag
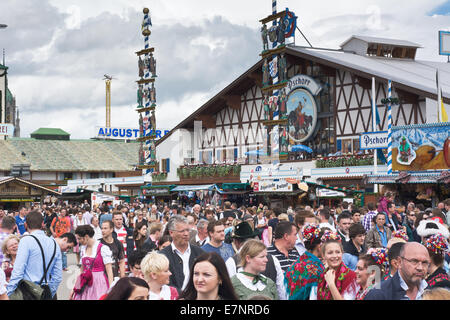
(29, 290)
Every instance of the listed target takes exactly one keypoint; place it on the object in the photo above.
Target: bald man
(409, 281)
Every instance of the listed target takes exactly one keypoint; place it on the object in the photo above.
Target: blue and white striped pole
(389, 159)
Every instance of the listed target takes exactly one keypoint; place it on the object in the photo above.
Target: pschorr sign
(373, 140)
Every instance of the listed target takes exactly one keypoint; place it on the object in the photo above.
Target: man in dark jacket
(181, 253)
(409, 281)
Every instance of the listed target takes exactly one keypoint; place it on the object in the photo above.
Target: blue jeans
(64, 260)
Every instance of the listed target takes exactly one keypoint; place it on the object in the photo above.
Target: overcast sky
(57, 51)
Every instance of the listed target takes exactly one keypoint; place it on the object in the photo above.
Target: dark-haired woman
(129, 288)
(96, 266)
(437, 246)
(303, 275)
(209, 280)
(140, 235)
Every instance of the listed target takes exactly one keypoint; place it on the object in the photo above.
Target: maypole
(275, 78)
(146, 98)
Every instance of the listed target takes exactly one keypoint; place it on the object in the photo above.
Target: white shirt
(185, 258)
(98, 232)
(2, 282)
(423, 285)
(163, 295)
(205, 241)
(327, 225)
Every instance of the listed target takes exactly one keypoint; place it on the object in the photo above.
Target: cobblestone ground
(69, 277)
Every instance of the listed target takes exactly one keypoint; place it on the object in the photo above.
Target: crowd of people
(138, 251)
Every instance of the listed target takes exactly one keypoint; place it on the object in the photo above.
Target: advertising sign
(6, 129)
(421, 147)
(373, 140)
(272, 186)
(444, 43)
(124, 133)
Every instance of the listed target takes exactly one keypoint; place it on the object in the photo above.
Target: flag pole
(389, 160)
(374, 127)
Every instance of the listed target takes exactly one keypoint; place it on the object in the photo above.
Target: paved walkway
(69, 277)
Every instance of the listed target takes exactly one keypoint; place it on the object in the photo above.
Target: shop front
(16, 192)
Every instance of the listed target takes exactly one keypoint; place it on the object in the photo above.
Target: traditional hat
(380, 256)
(400, 233)
(311, 232)
(330, 235)
(437, 244)
(427, 228)
(243, 231)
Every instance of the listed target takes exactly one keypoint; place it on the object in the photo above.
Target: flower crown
(311, 232)
(380, 256)
(437, 244)
(400, 233)
(329, 235)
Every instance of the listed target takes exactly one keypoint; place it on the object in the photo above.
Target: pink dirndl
(97, 284)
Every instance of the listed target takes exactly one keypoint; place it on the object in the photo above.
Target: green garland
(202, 171)
(350, 161)
(159, 176)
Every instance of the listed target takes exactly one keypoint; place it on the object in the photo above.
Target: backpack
(28, 290)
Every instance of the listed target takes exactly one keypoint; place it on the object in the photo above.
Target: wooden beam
(363, 82)
(269, 53)
(273, 17)
(233, 101)
(146, 80)
(407, 97)
(256, 77)
(208, 121)
(144, 51)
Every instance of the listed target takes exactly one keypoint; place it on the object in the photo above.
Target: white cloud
(58, 50)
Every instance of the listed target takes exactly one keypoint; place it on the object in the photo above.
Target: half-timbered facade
(232, 127)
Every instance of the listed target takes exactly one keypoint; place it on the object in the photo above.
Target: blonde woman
(250, 282)
(155, 267)
(9, 248)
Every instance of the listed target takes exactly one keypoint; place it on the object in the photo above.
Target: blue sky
(443, 9)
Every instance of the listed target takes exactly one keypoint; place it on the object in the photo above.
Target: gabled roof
(11, 179)
(393, 42)
(411, 75)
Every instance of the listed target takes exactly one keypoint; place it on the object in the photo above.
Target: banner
(272, 186)
(421, 147)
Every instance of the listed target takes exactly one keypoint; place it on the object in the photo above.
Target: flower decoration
(311, 232)
(400, 233)
(380, 256)
(329, 235)
(437, 244)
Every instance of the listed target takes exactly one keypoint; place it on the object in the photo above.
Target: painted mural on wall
(301, 108)
(421, 147)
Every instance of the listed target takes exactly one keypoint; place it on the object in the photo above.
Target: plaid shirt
(368, 219)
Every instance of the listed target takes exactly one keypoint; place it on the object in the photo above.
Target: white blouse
(105, 251)
(163, 295)
(259, 286)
